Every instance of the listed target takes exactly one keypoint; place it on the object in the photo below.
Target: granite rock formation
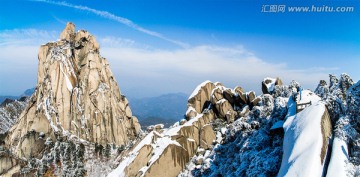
(76, 96)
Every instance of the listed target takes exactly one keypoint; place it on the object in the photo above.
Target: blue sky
(161, 46)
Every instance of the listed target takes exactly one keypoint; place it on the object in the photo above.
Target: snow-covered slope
(339, 163)
(303, 141)
(250, 149)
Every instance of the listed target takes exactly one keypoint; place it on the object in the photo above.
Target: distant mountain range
(3, 98)
(27, 92)
(166, 109)
(156, 120)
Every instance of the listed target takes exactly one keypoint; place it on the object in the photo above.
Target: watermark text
(280, 8)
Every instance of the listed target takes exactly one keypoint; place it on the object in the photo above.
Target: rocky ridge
(230, 132)
(259, 150)
(210, 108)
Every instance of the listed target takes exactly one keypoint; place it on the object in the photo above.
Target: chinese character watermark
(273, 8)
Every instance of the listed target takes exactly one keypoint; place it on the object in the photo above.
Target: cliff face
(76, 95)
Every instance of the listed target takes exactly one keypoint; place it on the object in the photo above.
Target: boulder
(200, 96)
(216, 95)
(225, 110)
(268, 85)
(190, 113)
(229, 95)
(241, 95)
(250, 97)
(278, 81)
(255, 102)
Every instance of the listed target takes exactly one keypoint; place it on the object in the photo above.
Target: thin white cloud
(18, 59)
(110, 41)
(26, 37)
(164, 71)
(60, 20)
(119, 19)
(145, 71)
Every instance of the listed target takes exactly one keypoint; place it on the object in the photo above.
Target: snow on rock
(303, 141)
(353, 103)
(269, 83)
(191, 112)
(120, 169)
(198, 88)
(342, 99)
(9, 114)
(308, 96)
(339, 159)
(178, 143)
(200, 98)
(245, 147)
(158, 144)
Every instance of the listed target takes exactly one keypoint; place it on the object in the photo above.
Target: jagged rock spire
(76, 95)
(68, 32)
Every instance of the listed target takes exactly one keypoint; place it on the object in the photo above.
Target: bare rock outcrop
(76, 95)
(171, 149)
(166, 152)
(201, 96)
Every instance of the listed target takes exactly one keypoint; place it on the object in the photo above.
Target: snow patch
(221, 101)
